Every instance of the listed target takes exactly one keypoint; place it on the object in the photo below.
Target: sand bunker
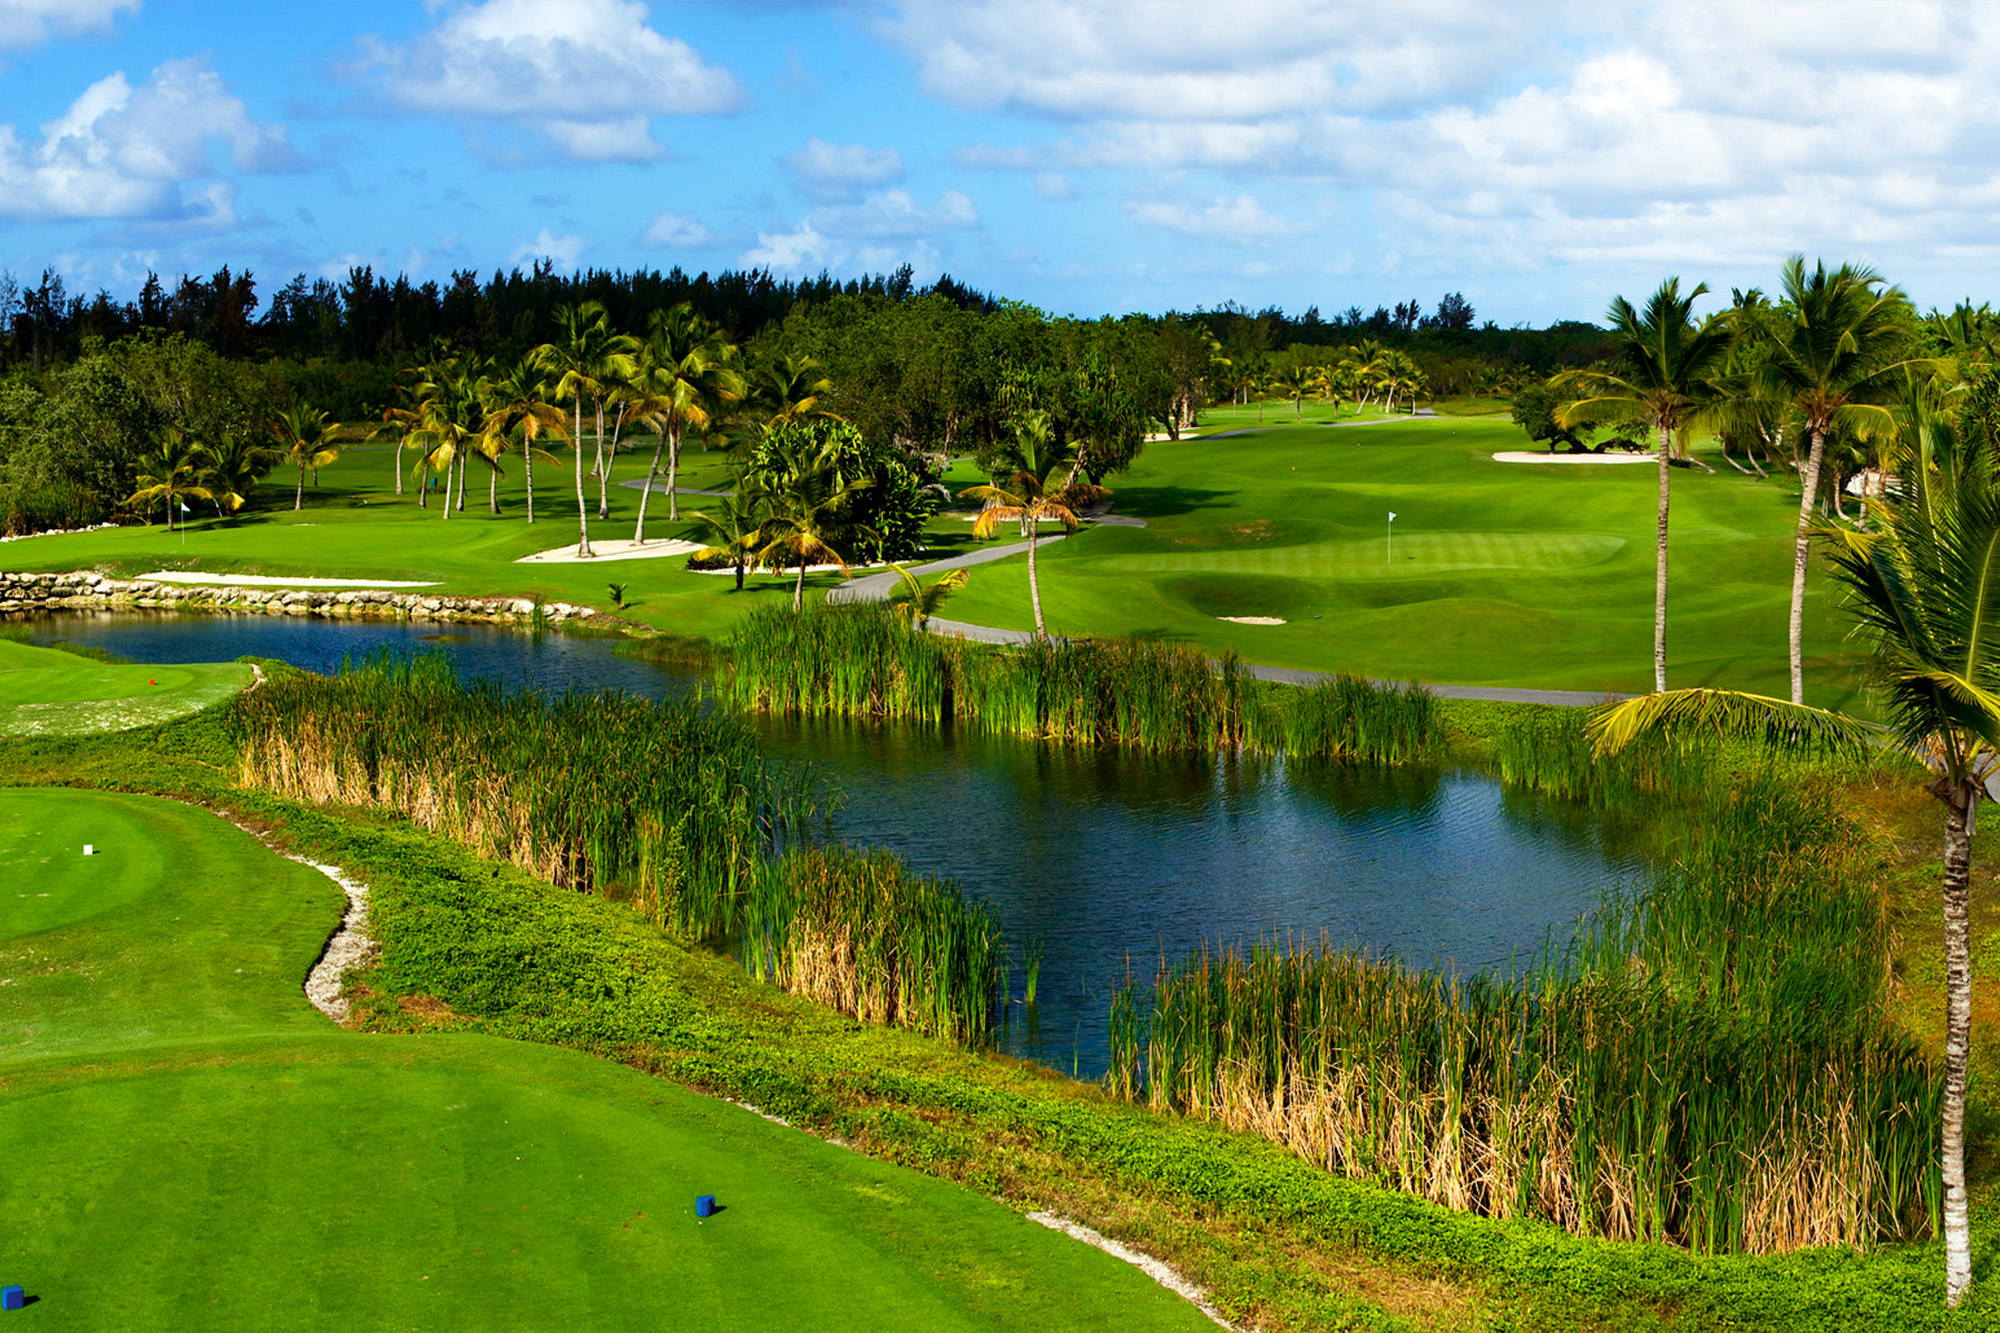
(604, 551)
(1530, 456)
(273, 580)
(1253, 620)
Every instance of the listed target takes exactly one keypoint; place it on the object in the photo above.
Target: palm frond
(1777, 722)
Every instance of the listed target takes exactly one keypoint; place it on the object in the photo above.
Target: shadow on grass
(1163, 501)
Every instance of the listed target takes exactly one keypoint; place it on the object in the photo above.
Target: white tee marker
(88, 850)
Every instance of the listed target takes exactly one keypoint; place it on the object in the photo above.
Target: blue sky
(1089, 158)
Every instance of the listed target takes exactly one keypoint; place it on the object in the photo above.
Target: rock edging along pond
(84, 591)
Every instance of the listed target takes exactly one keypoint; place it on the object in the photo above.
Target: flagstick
(1389, 552)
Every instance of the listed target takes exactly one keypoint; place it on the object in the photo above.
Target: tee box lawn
(188, 1144)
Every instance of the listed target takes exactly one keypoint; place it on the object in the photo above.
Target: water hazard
(1110, 858)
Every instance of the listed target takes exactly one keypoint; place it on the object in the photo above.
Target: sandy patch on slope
(1534, 456)
(1253, 620)
(272, 580)
(602, 551)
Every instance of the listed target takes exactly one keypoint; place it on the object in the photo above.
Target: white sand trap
(603, 551)
(272, 580)
(1534, 456)
(1252, 620)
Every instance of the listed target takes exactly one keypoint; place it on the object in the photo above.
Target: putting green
(45, 692)
(188, 1144)
(1417, 555)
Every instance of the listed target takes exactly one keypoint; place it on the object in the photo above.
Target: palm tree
(519, 400)
(1924, 583)
(807, 497)
(306, 437)
(684, 375)
(588, 360)
(1295, 382)
(1361, 365)
(1834, 362)
(916, 602)
(1032, 494)
(789, 388)
(1669, 364)
(176, 469)
(235, 468)
(737, 524)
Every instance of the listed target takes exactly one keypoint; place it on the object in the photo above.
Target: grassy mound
(189, 1144)
(46, 692)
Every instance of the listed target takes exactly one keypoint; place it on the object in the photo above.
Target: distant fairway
(1501, 575)
(189, 1144)
(46, 692)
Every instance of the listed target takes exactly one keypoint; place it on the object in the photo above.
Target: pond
(1111, 858)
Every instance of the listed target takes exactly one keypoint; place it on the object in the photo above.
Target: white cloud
(565, 250)
(32, 22)
(140, 153)
(879, 232)
(1238, 221)
(1511, 137)
(1054, 185)
(685, 231)
(587, 74)
(823, 170)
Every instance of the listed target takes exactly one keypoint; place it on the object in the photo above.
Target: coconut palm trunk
(1960, 800)
(1660, 570)
(673, 475)
(582, 512)
(528, 470)
(603, 468)
(299, 496)
(652, 474)
(799, 588)
(1034, 582)
(1801, 549)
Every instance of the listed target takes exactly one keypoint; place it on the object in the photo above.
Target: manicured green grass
(1500, 574)
(46, 692)
(1503, 574)
(188, 1144)
(354, 525)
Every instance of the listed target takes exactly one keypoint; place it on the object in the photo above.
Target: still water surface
(1111, 858)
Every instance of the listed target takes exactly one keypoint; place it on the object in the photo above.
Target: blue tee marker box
(13, 1298)
(704, 1205)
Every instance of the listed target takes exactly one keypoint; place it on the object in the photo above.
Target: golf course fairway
(189, 1144)
(46, 692)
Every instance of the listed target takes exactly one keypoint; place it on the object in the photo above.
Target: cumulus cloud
(32, 22)
(1511, 136)
(1238, 221)
(564, 250)
(685, 231)
(878, 232)
(142, 153)
(588, 75)
(823, 170)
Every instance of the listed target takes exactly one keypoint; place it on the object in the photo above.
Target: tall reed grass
(1709, 1064)
(668, 805)
(864, 661)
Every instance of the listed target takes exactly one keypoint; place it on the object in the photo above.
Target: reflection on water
(1112, 858)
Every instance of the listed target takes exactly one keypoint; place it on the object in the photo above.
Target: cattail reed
(859, 933)
(863, 661)
(1711, 1064)
(668, 805)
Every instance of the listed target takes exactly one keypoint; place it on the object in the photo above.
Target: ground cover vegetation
(250, 1164)
(478, 946)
